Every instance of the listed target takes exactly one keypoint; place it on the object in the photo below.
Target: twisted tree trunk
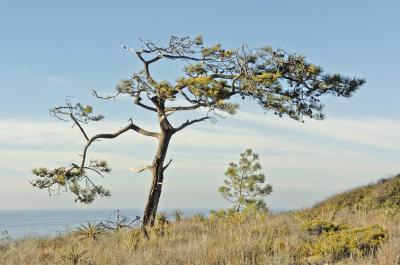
(157, 172)
(158, 167)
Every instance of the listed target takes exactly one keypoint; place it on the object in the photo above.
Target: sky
(50, 50)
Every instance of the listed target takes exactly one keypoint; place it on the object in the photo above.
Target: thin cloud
(341, 152)
(377, 133)
(56, 80)
(34, 75)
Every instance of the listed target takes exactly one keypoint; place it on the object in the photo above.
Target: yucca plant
(199, 217)
(162, 218)
(5, 237)
(178, 215)
(161, 225)
(90, 231)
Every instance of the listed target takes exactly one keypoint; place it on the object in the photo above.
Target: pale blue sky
(53, 49)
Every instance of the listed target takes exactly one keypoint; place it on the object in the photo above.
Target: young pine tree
(245, 184)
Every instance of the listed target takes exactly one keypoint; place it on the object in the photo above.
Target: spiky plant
(162, 218)
(178, 215)
(90, 231)
(199, 217)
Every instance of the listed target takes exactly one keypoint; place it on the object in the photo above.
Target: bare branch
(187, 97)
(184, 57)
(167, 165)
(80, 127)
(140, 104)
(94, 92)
(168, 53)
(187, 123)
(136, 96)
(94, 170)
(114, 135)
(216, 75)
(139, 55)
(179, 108)
(146, 64)
(155, 59)
(140, 169)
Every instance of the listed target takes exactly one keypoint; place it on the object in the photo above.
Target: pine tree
(245, 184)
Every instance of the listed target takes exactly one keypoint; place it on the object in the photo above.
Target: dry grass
(252, 238)
(236, 239)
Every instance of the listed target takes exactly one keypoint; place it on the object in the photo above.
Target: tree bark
(157, 172)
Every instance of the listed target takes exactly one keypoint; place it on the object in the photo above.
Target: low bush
(334, 246)
(318, 227)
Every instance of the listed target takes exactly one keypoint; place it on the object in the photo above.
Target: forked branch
(188, 122)
(131, 126)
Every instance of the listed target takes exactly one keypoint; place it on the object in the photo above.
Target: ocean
(25, 223)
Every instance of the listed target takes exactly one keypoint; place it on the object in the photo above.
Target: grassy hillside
(357, 227)
(383, 196)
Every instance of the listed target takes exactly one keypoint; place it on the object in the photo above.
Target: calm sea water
(23, 223)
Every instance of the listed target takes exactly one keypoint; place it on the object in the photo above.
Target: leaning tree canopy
(284, 83)
(212, 78)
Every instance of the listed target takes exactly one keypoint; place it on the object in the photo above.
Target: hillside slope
(382, 196)
(358, 227)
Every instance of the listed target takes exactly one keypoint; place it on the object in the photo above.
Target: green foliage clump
(231, 216)
(245, 184)
(334, 246)
(74, 179)
(318, 227)
(220, 214)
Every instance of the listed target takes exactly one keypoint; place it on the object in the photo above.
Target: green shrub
(360, 242)
(222, 213)
(318, 227)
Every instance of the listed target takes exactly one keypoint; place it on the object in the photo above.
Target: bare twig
(140, 169)
(187, 123)
(167, 165)
(80, 127)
